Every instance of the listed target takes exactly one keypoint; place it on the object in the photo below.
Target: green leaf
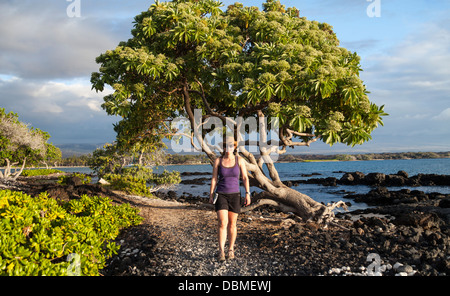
(267, 92)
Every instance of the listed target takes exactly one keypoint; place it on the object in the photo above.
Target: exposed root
(324, 215)
(327, 216)
(7, 175)
(260, 202)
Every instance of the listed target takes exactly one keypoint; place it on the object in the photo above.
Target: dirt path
(180, 239)
(186, 236)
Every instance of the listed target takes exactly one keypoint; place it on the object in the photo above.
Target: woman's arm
(245, 181)
(214, 179)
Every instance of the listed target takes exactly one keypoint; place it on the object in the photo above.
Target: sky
(48, 50)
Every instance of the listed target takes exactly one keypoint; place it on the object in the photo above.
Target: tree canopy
(20, 143)
(236, 62)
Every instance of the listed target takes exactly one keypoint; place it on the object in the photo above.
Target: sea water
(325, 169)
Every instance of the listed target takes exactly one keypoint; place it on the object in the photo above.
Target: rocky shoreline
(401, 178)
(378, 179)
(404, 232)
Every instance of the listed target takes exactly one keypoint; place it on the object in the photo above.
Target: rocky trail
(179, 239)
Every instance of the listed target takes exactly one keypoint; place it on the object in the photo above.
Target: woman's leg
(232, 229)
(222, 216)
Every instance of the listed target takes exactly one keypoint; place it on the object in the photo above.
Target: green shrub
(129, 184)
(166, 178)
(85, 179)
(38, 235)
(39, 172)
(140, 180)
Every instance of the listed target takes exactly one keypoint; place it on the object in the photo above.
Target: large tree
(20, 143)
(242, 62)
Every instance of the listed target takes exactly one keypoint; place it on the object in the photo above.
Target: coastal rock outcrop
(400, 179)
(382, 196)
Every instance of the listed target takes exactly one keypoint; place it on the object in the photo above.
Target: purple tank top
(228, 178)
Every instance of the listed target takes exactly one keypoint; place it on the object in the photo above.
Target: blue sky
(46, 58)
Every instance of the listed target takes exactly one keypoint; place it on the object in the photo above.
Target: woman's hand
(211, 198)
(248, 200)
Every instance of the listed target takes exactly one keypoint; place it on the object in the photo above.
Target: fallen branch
(162, 187)
(260, 202)
(325, 215)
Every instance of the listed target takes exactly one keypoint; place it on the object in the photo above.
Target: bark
(17, 174)
(7, 175)
(289, 200)
(293, 201)
(141, 158)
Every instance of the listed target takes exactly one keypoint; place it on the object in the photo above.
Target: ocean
(294, 171)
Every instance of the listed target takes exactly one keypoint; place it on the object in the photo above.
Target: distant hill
(77, 149)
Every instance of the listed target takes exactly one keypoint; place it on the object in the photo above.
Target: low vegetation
(40, 172)
(43, 236)
(85, 179)
(141, 180)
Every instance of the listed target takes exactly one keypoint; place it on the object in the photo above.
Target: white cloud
(443, 116)
(46, 59)
(421, 60)
(415, 116)
(412, 80)
(54, 97)
(69, 111)
(44, 43)
(94, 104)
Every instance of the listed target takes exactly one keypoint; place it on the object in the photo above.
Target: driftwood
(7, 174)
(324, 213)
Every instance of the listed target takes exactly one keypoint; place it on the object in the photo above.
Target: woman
(226, 172)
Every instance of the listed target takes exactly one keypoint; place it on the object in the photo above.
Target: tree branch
(252, 109)
(17, 174)
(187, 105)
(265, 153)
(288, 142)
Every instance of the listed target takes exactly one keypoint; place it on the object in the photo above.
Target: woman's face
(229, 147)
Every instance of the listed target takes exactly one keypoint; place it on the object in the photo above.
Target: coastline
(299, 157)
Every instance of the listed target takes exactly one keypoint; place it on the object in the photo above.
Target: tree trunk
(7, 175)
(141, 158)
(17, 174)
(275, 192)
(289, 200)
